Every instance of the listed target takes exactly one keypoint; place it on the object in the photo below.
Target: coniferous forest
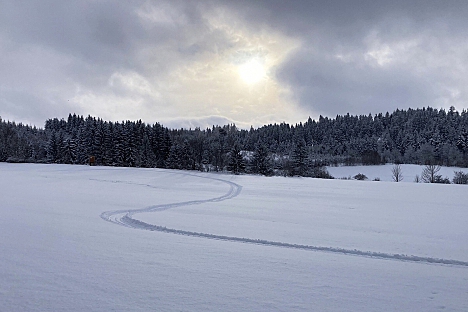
(413, 136)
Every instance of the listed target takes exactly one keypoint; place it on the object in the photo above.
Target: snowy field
(78, 238)
(384, 172)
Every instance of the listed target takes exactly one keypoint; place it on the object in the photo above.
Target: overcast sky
(198, 63)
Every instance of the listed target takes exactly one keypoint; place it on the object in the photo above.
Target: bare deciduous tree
(397, 173)
(429, 173)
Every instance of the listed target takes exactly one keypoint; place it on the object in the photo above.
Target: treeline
(413, 136)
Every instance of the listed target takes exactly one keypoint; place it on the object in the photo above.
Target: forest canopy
(413, 136)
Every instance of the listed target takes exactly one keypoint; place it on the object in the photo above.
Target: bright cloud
(223, 69)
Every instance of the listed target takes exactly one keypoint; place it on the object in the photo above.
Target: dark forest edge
(414, 136)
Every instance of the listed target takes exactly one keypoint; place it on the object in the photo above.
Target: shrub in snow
(460, 178)
(438, 179)
(321, 173)
(397, 173)
(360, 177)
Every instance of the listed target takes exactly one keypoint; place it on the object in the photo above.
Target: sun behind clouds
(252, 72)
(234, 80)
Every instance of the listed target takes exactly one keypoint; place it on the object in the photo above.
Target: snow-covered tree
(236, 162)
(300, 159)
(261, 162)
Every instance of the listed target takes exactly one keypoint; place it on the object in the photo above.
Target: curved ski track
(124, 218)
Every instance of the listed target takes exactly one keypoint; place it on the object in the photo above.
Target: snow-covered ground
(384, 172)
(77, 238)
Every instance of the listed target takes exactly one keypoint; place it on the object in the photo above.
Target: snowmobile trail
(118, 216)
(124, 218)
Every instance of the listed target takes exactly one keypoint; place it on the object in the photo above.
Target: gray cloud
(371, 56)
(176, 60)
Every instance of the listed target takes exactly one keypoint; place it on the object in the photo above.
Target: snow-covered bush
(360, 177)
(460, 178)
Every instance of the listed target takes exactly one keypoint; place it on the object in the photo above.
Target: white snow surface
(78, 238)
(384, 172)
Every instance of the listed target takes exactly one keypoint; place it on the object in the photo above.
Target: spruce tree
(300, 160)
(261, 162)
(236, 163)
(69, 151)
(173, 160)
(52, 149)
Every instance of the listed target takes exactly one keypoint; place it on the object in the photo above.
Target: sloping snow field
(78, 238)
(384, 172)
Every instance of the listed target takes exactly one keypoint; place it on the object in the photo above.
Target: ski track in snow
(124, 218)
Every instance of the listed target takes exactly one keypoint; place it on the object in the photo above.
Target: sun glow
(252, 72)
